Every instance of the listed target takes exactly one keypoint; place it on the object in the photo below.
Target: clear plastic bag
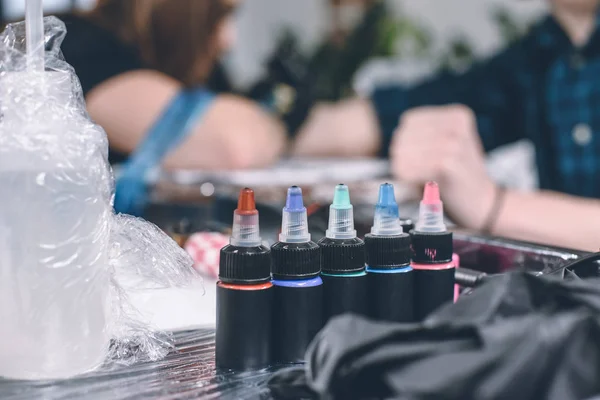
(62, 248)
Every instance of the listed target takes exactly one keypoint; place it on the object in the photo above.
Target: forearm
(234, 134)
(347, 129)
(223, 152)
(550, 218)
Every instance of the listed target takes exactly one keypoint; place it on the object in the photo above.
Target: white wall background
(260, 20)
(14, 8)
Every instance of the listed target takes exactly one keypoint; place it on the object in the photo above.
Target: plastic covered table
(188, 372)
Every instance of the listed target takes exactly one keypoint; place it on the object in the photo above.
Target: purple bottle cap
(294, 225)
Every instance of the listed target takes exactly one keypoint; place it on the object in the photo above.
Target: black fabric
(516, 337)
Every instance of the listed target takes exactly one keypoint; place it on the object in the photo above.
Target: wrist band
(492, 216)
(171, 128)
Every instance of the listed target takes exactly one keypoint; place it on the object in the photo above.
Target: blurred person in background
(134, 57)
(545, 88)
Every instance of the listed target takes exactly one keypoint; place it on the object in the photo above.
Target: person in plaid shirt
(545, 88)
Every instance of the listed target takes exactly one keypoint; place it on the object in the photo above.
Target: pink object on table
(205, 248)
(456, 262)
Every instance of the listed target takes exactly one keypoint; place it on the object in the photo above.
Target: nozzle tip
(386, 221)
(294, 224)
(341, 215)
(431, 194)
(431, 210)
(246, 202)
(294, 201)
(246, 230)
(386, 195)
(341, 198)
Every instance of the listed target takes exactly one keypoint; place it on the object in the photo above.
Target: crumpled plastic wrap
(67, 262)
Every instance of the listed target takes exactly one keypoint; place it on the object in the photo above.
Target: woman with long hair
(134, 57)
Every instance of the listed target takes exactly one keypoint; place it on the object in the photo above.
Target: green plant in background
(401, 36)
(460, 55)
(510, 29)
(333, 66)
(378, 35)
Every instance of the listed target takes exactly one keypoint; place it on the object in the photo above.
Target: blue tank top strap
(170, 130)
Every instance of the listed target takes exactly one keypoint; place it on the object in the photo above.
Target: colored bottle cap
(245, 265)
(388, 252)
(341, 215)
(431, 247)
(295, 261)
(294, 224)
(431, 211)
(387, 220)
(246, 230)
(342, 256)
(431, 241)
(245, 260)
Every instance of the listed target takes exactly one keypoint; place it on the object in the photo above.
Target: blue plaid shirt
(542, 88)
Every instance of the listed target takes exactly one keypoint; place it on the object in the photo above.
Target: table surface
(188, 372)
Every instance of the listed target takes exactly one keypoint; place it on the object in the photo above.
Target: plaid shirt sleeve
(488, 89)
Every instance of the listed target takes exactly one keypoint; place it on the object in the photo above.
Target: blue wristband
(172, 128)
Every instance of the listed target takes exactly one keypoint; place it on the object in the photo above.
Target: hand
(442, 144)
